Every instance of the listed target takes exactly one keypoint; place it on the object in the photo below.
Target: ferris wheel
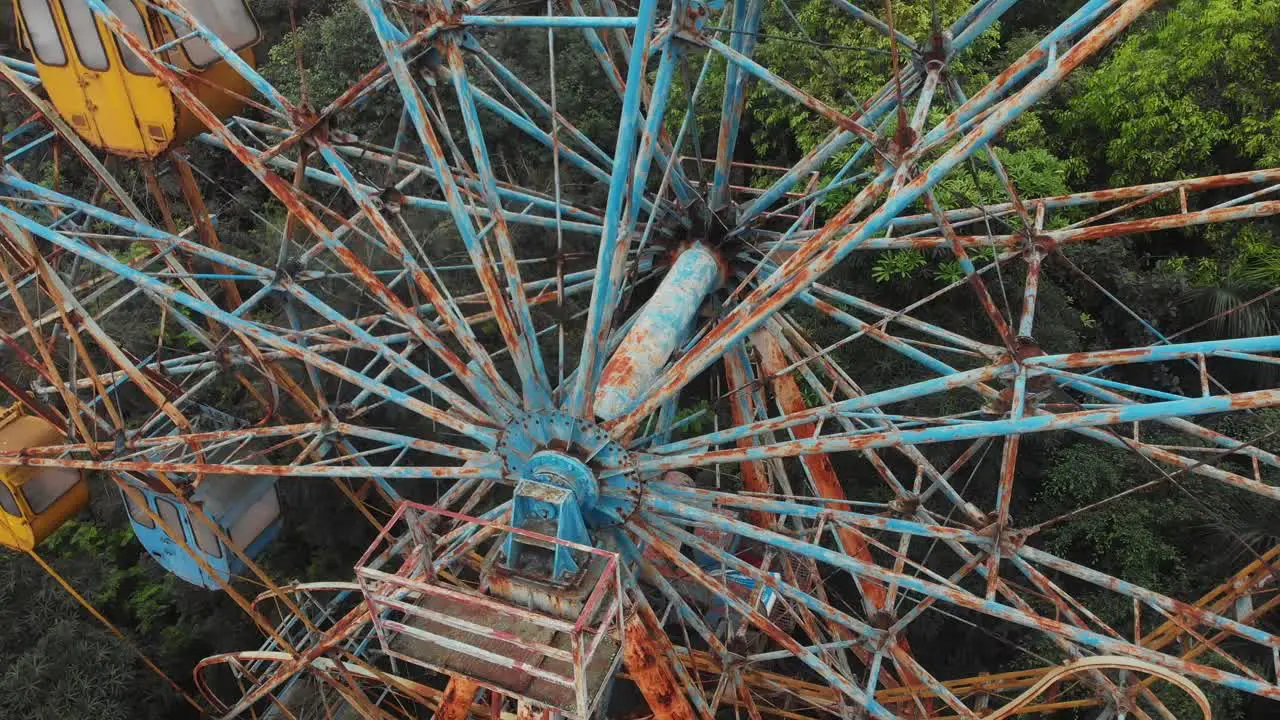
(651, 459)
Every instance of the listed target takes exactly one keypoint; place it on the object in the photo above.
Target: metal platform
(512, 670)
(552, 645)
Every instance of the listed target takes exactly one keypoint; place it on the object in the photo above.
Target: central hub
(570, 478)
(553, 448)
(559, 469)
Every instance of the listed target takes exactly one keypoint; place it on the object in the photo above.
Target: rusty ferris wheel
(766, 551)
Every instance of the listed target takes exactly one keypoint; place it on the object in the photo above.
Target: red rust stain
(791, 400)
(642, 653)
(619, 370)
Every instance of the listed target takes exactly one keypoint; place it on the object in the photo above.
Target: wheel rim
(451, 345)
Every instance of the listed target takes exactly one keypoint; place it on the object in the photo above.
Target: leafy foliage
(334, 45)
(1130, 539)
(1192, 94)
(897, 264)
(55, 662)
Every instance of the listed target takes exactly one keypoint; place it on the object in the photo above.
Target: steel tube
(661, 327)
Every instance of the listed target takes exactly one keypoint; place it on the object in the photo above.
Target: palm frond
(1228, 309)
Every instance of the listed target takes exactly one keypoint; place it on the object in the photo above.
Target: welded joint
(939, 51)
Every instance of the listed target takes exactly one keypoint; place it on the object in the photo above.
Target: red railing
(424, 614)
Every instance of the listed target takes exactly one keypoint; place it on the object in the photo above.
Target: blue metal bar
(546, 21)
(680, 184)
(808, 658)
(1082, 381)
(135, 227)
(543, 138)
(964, 599)
(21, 130)
(295, 204)
(424, 203)
(791, 91)
(868, 636)
(991, 351)
(1092, 385)
(32, 81)
(415, 104)
(1084, 16)
(529, 362)
(890, 396)
(38, 142)
(858, 325)
(1155, 353)
(877, 23)
(649, 137)
(818, 510)
(838, 182)
(804, 268)
(508, 192)
(820, 154)
(887, 101)
(474, 381)
(746, 22)
(21, 65)
(514, 83)
(251, 329)
(606, 292)
(1153, 599)
(984, 19)
(970, 431)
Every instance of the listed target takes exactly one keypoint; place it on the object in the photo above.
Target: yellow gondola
(34, 502)
(109, 95)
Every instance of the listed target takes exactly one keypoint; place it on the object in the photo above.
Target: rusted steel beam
(293, 202)
(255, 331)
(318, 470)
(862, 637)
(742, 39)
(350, 666)
(859, 421)
(1252, 211)
(46, 366)
(1035, 423)
(645, 656)
(75, 319)
(797, 349)
(359, 149)
(993, 609)
(606, 292)
(760, 621)
(835, 241)
(1133, 192)
(517, 343)
(975, 279)
(844, 122)
(524, 347)
(787, 394)
(742, 408)
(1218, 600)
(660, 328)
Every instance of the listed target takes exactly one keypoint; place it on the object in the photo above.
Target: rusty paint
(645, 657)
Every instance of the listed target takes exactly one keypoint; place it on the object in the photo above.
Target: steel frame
(470, 348)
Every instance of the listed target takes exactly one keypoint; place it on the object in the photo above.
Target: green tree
(56, 662)
(1191, 93)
